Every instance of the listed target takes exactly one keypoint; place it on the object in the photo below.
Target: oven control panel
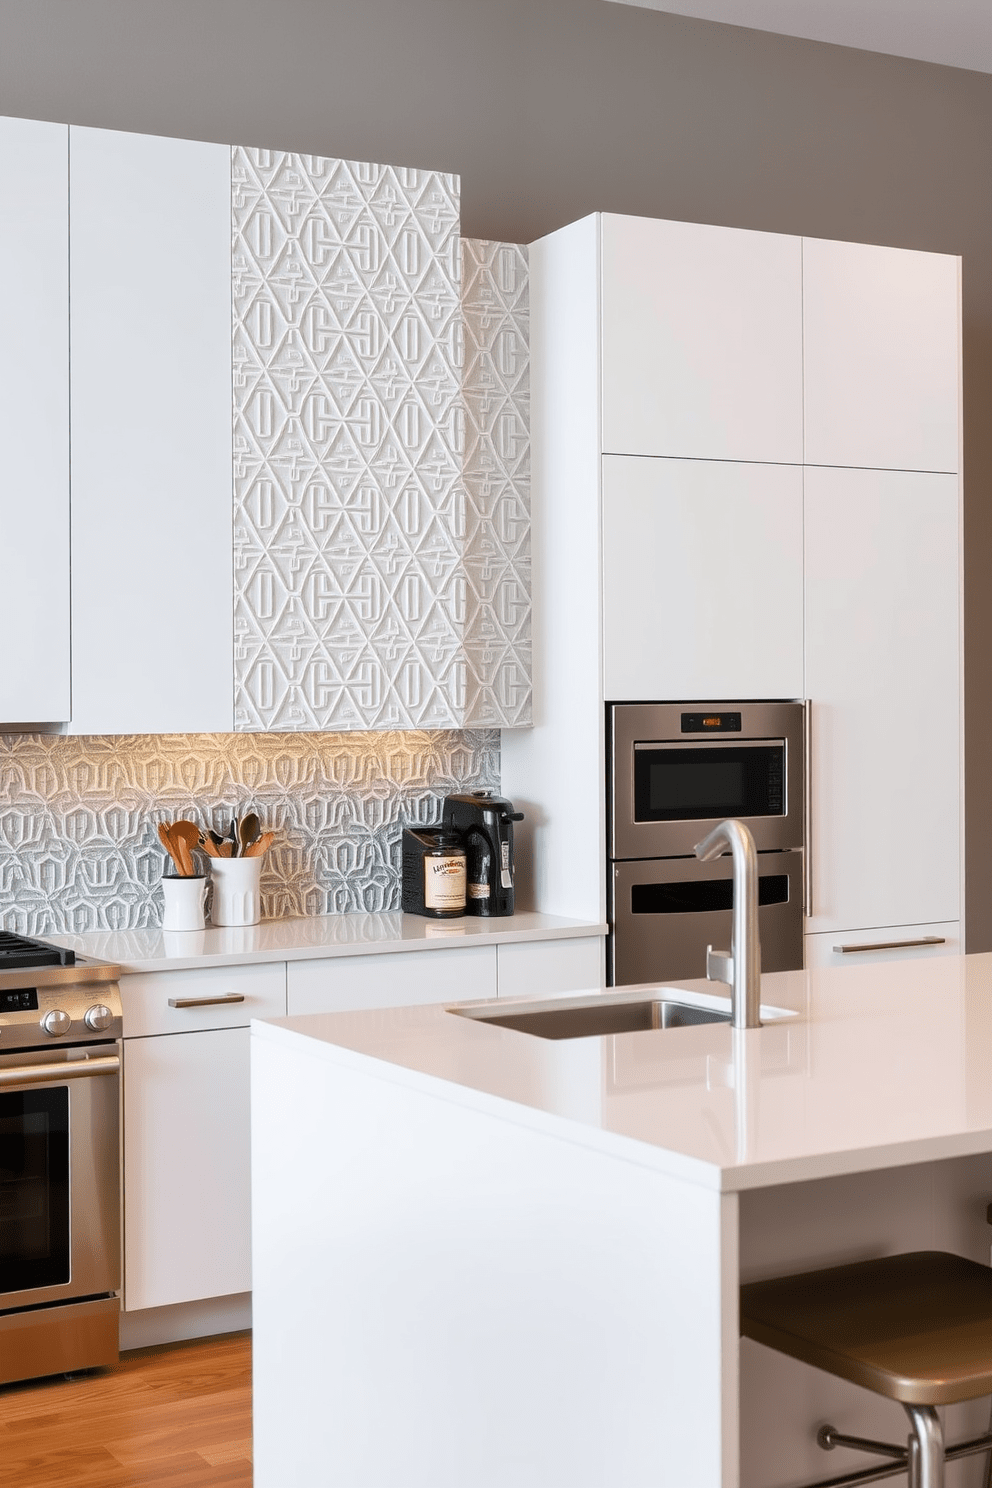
(71, 1004)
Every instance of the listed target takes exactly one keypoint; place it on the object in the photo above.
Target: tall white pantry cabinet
(746, 484)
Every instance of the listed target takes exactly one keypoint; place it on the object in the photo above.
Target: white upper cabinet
(882, 673)
(701, 341)
(34, 422)
(152, 524)
(702, 579)
(882, 357)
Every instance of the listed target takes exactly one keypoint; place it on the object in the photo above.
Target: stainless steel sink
(597, 1015)
(594, 1022)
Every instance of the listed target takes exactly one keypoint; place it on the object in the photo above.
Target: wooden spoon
(186, 835)
(165, 837)
(261, 845)
(248, 830)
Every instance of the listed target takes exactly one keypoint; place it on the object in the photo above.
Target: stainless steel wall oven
(60, 1197)
(673, 771)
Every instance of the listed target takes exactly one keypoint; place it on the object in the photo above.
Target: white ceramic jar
(237, 898)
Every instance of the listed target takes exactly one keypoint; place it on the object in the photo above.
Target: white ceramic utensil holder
(237, 900)
(183, 902)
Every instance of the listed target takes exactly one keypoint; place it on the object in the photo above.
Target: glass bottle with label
(444, 876)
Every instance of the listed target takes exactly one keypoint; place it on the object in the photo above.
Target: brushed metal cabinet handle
(188, 1002)
(893, 945)
(43, 1074)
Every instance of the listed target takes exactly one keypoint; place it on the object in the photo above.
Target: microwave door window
(703, 785)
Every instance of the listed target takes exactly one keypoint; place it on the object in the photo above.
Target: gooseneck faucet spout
(741, 966)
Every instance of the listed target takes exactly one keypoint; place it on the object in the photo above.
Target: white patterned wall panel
(79, 848)
(497, 565)
(347, 444)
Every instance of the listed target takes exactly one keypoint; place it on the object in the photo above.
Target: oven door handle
(46, 1074)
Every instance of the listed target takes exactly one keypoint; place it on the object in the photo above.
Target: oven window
(694, 784)
(703, 895)
(34, 1189)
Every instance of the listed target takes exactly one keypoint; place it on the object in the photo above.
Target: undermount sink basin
(593, 1022)
(599, 1015)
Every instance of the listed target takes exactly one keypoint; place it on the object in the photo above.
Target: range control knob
(56, 1023)
(99, 1017)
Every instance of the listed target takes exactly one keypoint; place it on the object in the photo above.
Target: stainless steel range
(60, 1061)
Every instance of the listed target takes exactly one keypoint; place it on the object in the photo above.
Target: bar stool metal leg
(926, 1447)
(987, 1480)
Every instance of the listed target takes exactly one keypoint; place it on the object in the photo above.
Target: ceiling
(957, 33)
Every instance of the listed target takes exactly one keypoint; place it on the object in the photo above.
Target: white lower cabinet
(337, 984)
(187, 1192)
(187, 1152)
(539, 968)
(890, 943)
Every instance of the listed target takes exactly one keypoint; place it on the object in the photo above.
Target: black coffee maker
(485, 822)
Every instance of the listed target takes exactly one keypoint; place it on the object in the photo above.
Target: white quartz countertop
(310, 939)
(883, 1066)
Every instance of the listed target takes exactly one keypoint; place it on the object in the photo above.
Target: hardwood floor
(176, 1417)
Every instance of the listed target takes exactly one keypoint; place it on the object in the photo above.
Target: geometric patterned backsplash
(79, 848)
(382, 563)
(496, 470)
(346, 444)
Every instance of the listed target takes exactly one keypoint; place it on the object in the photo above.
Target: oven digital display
(711, 723)
(24, 1000)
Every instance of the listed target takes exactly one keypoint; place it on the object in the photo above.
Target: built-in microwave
(676, 769)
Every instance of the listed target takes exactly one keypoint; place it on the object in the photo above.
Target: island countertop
(882, 1067)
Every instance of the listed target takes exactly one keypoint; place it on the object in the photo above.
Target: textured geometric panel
(496, 472)
(79, 848)
(349, 602)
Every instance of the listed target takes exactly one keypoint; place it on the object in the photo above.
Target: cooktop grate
(21, 950)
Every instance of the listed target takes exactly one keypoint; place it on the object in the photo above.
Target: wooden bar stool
(916, 1328)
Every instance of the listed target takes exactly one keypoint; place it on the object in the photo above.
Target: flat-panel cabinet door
(187, 1190)
(882, 673)
(702, 580)
(701, 341)
(34, 421)
(152, 507)
(882, 356)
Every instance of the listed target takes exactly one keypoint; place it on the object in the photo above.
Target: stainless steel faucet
(741, 965)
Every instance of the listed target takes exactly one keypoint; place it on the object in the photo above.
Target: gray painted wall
(549, 109)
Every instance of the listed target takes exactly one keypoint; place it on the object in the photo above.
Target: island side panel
(445, 1296)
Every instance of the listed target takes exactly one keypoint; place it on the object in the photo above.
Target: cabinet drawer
(340, 984)
(220, 997)
(893, 942)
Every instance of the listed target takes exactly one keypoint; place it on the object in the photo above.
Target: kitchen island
(485, 1259)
